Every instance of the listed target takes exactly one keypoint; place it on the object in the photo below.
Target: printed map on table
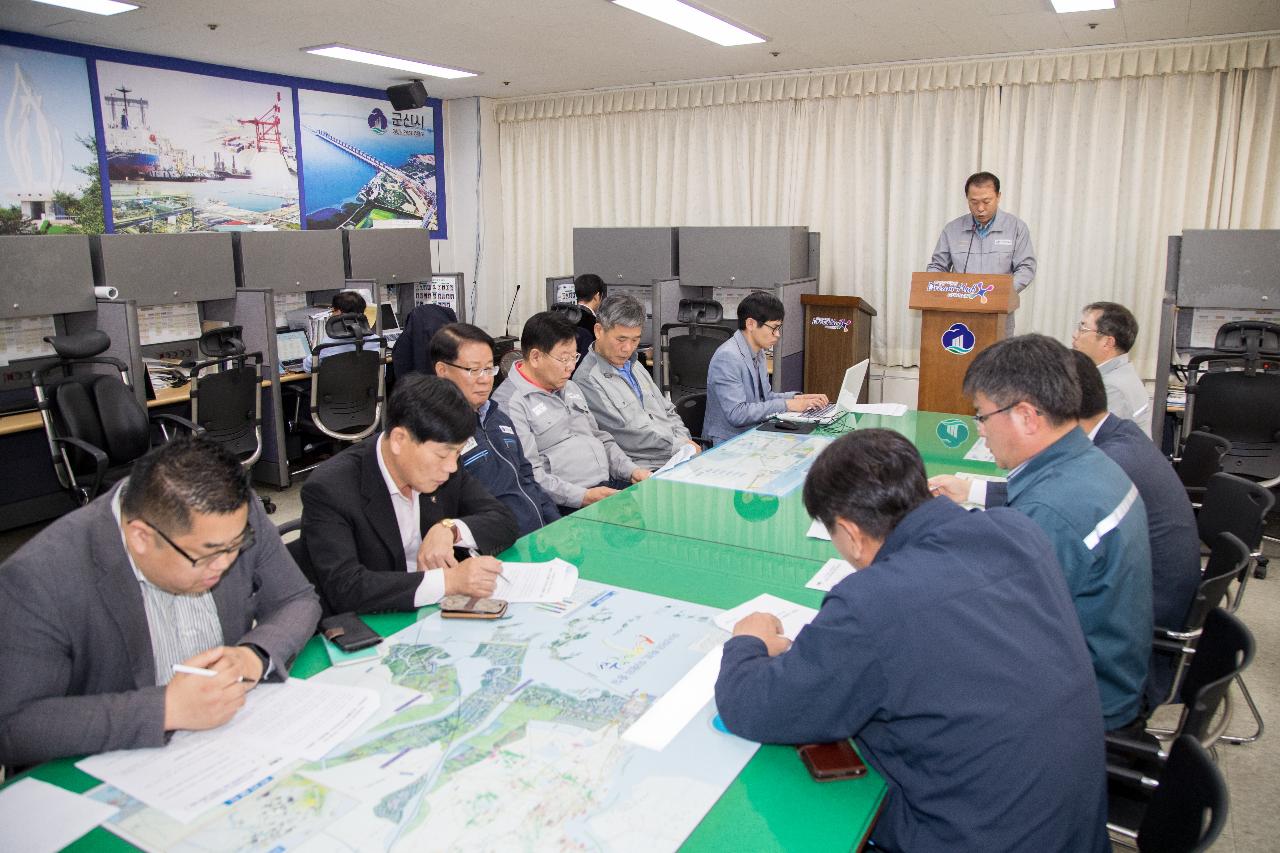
(496, 736)
(768, 463)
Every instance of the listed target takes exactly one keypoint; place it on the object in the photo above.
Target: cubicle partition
(1211, 277)
(398, 259)
(46, 288)
(727, 263)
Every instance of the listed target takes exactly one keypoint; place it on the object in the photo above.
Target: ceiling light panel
(338, 51)
(1062, 7)
(692, 20)
(96, 7)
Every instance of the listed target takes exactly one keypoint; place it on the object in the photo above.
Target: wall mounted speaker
(408, 96)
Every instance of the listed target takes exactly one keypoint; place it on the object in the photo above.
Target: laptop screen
(388, 316)
(292, 345)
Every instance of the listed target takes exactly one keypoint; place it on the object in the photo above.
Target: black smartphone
(348, 632)
(828, 762)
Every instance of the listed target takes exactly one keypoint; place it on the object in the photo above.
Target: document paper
(36, 817)
(659, 725)
(553, 580)
(793, 616)
(279, 724)
(831, 573)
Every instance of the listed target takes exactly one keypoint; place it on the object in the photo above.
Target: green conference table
(719, 548)
(772, 804)
(765, 523)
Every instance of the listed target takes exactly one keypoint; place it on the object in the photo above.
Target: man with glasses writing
(739, 396)
(151, 610)
(1026, 398)
(574, 461)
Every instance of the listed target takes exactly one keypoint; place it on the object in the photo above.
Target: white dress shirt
(409, 523)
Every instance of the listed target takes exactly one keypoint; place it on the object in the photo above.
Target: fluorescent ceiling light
(97, 7)
(1062, 7)
(692, 20)
(338, 51)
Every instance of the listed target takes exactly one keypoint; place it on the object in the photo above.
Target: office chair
(347, 387)
(1234, 392)
(1202, 454)
(692, 409)
(1238, 506)
(95, 425)
(1187, 807)
(226, 396)
(1228, 558)
(686, 356)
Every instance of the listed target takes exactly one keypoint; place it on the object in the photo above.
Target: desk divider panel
(165, 269)
(387, 255)
(290, 261)
(45, 275)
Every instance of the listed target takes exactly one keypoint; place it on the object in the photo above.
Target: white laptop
(848, 398)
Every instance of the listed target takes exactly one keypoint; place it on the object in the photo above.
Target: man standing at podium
(987, 239)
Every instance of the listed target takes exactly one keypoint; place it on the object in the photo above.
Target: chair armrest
(1175, 647)
(1121, 744)
(178, 420)
(1128, 774)
(99, 463)
(289, 527)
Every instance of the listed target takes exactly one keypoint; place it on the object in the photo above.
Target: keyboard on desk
(821, 415)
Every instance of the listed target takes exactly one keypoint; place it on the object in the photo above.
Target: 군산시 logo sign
(378, 121)
(953, 432)
(958, 340)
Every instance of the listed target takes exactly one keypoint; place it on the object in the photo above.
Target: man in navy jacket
(953, 657)
(463, 354)
(1171, 523)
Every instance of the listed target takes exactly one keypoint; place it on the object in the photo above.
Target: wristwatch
(452, 526)
(262, 656)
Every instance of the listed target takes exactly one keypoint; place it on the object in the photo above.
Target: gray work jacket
(1006, 249)
(647, 428)
(566, 448)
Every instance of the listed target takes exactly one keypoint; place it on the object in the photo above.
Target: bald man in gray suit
(179, 565)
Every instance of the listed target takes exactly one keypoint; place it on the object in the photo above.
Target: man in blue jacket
(1027, 399)
(463, 354)
(739, 396)
(1171, 523)
(953, 657)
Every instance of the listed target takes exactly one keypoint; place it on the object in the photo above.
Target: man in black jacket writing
(393, 523)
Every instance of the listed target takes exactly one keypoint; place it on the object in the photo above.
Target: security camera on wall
(408, 96)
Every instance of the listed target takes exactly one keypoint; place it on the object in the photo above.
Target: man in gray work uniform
(986, 240)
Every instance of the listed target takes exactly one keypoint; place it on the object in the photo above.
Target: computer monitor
(387, 314)
(292, 346)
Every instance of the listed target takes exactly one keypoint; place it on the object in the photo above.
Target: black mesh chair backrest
(1238, 407)
(1202, 454)
(692, 409)
(227, 406)
(1189, 809)
(1234, 505)
(1225, 649)
(100, 409)
(689, 355)
(346, 391)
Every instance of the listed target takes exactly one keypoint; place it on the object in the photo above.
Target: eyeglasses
(475, 372)
(246, 540)
(775, 328)
(1081, 328)
(982, 419)
(567, 361)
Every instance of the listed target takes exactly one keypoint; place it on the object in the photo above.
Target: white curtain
(1104, 154)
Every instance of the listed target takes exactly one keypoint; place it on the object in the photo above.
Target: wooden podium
(963, 314)
(837, 335)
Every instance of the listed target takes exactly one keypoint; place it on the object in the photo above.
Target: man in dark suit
(590, 291)
(388, 523)
(178, 565)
